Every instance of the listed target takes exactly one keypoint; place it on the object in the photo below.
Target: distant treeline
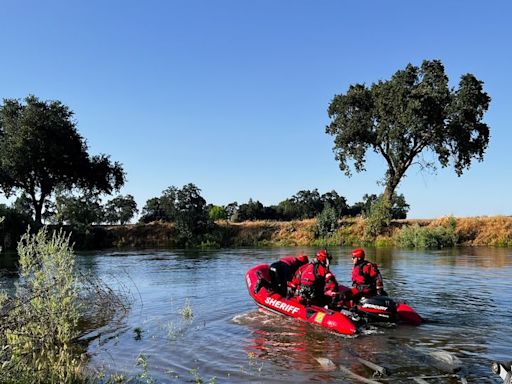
(192, 215)
(306, 204)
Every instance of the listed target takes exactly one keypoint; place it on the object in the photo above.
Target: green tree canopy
(41, 151)
(217, 212)
(288, 209)
(78, 210)
(309, 203)
(185, 207)
(191, 213)
(120, 209)
(252, 210)
(401, 118)
(154, 210)
(335, 201)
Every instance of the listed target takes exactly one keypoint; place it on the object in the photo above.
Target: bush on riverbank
(415, 236)
(39, 329)
(40, 326)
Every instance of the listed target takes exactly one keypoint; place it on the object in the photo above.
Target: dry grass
(472, 231)
(495, 230)
(155, 234)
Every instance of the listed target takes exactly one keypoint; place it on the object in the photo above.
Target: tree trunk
(38, 208)
(388, 192)
(394, 177)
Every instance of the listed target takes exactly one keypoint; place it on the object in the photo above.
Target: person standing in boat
(283, 270)
(314, 283)
(366, 277)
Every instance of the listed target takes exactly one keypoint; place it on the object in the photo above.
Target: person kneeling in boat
(283, 270)
(366, 278)
(314, 283)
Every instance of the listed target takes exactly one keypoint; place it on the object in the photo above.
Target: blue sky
(232, 95)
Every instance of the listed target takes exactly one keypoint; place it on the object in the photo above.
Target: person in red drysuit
(366, 277)
(283, 270)
(314, 283)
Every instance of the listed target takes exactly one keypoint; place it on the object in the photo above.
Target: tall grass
(493, 231)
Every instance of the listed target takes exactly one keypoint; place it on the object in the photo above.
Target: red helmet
(358, 253)
(303, 259)
(323, 255)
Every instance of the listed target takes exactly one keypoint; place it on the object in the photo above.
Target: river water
(465, 294)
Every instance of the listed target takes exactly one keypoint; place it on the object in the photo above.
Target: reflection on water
(463, 293)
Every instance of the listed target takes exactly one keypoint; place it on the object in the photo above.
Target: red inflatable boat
(374, 309)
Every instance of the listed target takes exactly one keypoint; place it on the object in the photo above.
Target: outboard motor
(377, 308)
(504, 370)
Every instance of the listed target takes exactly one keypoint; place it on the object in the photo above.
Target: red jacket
(366, 277)
(314, 280)
(294, 262)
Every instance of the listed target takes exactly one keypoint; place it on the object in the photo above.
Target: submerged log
(358, 377)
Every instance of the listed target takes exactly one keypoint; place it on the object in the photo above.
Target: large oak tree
(41, 151)
(402, 118)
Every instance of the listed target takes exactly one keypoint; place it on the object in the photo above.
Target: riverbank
(471, 231)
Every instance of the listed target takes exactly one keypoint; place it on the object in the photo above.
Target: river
(465, 294)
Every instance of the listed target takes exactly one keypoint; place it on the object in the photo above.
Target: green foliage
(82, 210)
(413, 112)
(23, 205)
(217, 212)
(383, 242)
(155, 210)
(308, 203)
(378, 218)
(326, 222)
(41, 151)
(40, 330)
(13, 226)
(426, 237)
(252, 210)
(39, 327)
(335, 201)
(304, 204)
(121, 209)
(288, 210)
(398, 209)
(198, 379)
(186, 207)
(145, 377)
(187, 312)
(366, 204)
(191, 214)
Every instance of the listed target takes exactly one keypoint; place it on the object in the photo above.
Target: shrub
(40, 326)
(426, 237)
(217, 212)
(40, 329)
(326, 222)
(378, 218)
